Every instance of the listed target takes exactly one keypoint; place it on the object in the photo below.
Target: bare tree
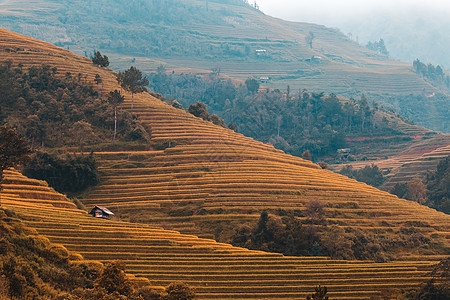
(115, 99)
(309, 39)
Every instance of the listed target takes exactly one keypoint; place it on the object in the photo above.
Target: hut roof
(104, 209)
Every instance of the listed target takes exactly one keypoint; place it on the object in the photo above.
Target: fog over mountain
(410, 29)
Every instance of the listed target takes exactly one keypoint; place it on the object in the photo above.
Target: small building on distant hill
(314, 59)
(260, 52)
(344, 152)
(264, 79)
(101, 212)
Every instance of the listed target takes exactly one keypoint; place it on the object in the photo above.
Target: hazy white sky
(326, 12)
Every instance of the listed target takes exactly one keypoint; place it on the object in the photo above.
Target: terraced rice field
(214, 172)
(214, 169)
(240, 186)
(330, 77)
(407, 160)
(215, 270)
(401, 153)
(347, 66)
(418, 167)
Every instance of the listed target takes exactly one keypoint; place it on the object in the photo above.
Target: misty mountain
(409, 33)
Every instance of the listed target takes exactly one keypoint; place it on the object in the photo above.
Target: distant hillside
(421, 152)
(199, 36)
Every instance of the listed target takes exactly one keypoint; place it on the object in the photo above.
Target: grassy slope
(346, 69)
(228, 177)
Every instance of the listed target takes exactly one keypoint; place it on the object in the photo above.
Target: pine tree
(100, 60)
(133, 81)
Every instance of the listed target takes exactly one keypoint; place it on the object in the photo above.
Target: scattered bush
(323, 165)
(400, 190)
(179, 291)
(315, 212)
(307, 155)
(284, 235)
(113, 279)
(199, 110)
(218, 121)
(417, 191)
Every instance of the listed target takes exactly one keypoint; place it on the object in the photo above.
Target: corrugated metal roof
(104, 209)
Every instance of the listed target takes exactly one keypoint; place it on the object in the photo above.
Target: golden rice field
(215, 270)
(240, 187)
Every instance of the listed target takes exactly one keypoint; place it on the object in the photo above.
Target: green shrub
(113, 279)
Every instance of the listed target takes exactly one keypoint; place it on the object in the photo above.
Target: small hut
(101, 212)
